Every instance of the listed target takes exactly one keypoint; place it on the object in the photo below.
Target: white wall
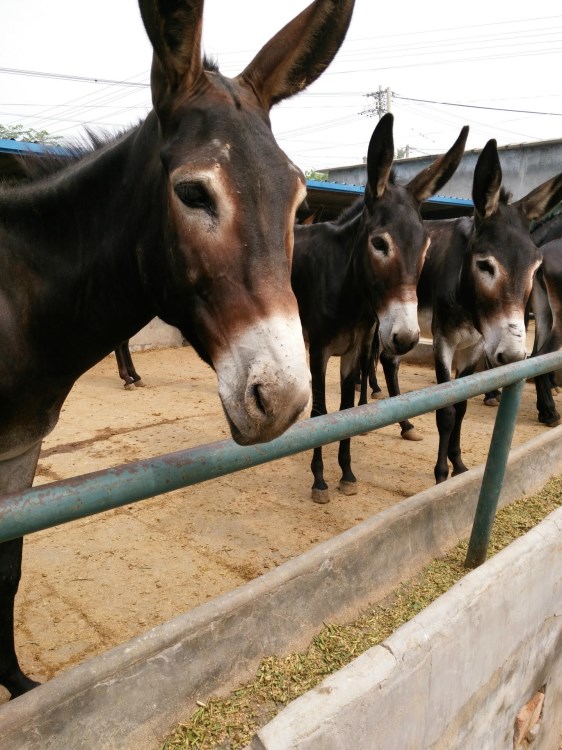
(155, 335)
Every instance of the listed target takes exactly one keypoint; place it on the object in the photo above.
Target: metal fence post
(494, 473)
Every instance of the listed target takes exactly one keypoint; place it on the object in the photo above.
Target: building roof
(333, 197)
(328, 197)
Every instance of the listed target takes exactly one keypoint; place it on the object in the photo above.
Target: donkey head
(395, 238)
(231, 197)
(501, 258)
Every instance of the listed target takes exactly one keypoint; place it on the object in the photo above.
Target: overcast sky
(485, 54)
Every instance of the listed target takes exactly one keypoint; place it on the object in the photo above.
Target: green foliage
(318, 176)
(19, 133)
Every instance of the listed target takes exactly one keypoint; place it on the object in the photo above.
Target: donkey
(188, 216)
(546, 303)
(361, 269)
(543, 231)
(474, 289)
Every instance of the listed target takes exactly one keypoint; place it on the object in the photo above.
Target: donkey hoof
(129, 386)
(412, 434)
(377, 395)
(348, 488)
(320, 496)
(553, 424)
(358, 387)
(139, 384)
(557, 389)
(491, 401)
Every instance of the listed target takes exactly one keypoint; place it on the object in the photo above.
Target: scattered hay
(229, 723)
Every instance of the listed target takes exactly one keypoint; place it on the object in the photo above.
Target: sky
(500, 60)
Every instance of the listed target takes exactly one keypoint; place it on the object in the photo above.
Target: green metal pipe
(59, 502)
(494, 473)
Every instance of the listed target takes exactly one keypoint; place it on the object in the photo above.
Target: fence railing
(67, 500)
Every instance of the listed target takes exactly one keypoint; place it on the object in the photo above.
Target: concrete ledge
(156, 335)
(422, 354)
(460, 671)
(130, 696)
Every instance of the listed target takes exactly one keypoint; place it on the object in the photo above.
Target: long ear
(380, 156)
(487, 182)
(174, 29)
(540, 200)
(432, 179)
(300, 52)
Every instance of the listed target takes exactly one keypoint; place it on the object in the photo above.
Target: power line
(476, 106)
(66, 77)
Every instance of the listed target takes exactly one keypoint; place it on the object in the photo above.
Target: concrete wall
(155, 335)
(129, 697)
(458, 674)
(524, 167)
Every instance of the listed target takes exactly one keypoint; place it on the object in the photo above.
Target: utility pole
(382, 102)
(388, 100)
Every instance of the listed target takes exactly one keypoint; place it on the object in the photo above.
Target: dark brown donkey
(474, 289)
(362, 268)
(188, 216)
(546, 299)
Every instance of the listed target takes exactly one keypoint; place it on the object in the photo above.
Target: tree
(318, 176)
(18, 133)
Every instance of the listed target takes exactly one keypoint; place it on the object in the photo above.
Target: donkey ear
(380, 156)
(174, 29)
(487, 182)
(540, 200)
(300, 52)
(432, 179)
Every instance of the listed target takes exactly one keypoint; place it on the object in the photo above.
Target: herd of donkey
(190, 216)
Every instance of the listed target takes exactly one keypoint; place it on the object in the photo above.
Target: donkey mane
(350, 213)
(505, 196)
(37, 166)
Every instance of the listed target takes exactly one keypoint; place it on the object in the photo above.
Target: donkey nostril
(501, 358)
(257, 396)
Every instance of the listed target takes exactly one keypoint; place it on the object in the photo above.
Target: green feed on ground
(229, 723)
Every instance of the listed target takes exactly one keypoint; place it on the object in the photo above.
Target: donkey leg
(492, 398)
(546, 407)
(348, 481)
(137, 380)
(454, 453)
(376, 391)
(318, 363)
(15, 474)
(455, 440)
(390, 366)
(445, 419)
(11, 675)
(121, 358)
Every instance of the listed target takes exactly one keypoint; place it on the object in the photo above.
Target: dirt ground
(92, 584)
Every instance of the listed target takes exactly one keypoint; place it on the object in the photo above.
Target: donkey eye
(380, 244)
(195, 195)
(485, 266)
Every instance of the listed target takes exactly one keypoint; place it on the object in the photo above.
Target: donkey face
(501, 258)
(232, 196)
(395, 237)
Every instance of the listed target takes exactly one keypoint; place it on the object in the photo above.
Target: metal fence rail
(59, 502)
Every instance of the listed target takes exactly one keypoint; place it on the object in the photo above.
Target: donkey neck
(446, 258)
(75, 235)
